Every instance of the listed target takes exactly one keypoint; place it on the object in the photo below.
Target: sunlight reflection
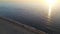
(50, 4)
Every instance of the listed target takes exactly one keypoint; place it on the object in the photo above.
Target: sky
(26, 3)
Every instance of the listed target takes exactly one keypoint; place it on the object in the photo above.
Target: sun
(51, 1)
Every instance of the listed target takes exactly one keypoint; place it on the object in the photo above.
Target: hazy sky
(36, 4)
(23, 1)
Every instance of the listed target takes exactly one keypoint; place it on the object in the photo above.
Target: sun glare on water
(50, 4)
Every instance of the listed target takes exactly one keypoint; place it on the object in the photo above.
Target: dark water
(29, 16)
(23, 16)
